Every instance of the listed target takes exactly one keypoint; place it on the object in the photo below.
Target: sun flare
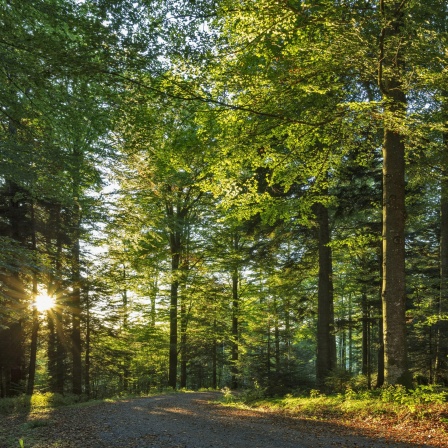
(44, 302)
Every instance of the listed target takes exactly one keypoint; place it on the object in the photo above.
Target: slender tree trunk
(277, 346)
(365, 337)
(235, 316)
(35, 330)
(441, 372)
(350, 335)
(214, 359)
(61, 339)
(326, 342)
(175, 261)
(235, 326)
(268, 353)
(394, 284)
(33, 348)
(87, 351)
(56, 342)
(183, 345)
(76, 278)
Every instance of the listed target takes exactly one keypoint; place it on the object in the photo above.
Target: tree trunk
(33, 348)
(183, 345)
(175, 261)
(56, 348)
(441, 371)
(365, 336)
(393, 284)
(214, 359)
(87, 352)
(235, 329)
(35, 330)
(326, 343)
(76, 276)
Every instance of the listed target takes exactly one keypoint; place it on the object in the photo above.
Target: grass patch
(38, 402)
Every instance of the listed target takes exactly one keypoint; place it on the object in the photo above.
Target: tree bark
(35, 329)
(183, 345)
(440, 370)
(87, 351)
(76, 278)
(175, 248)
(33, 348)
(393, 283)
(235, 319)
(76, 319)
(326, 342)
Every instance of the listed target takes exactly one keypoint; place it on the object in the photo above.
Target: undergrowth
(37, 402)
(423, 402)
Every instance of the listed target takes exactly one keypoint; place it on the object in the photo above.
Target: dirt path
(189, 420)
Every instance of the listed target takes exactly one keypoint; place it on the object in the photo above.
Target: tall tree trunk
(33, 348)
(183, 345)
(76, 278)
(326, 342)
(441, 371)
(214, 358)
(76, 318)
(394, 282)
(175, 262)
(235, 319)
(87, 360)
(350, 335)
(365, 339)
(35, 329)
(56, 341)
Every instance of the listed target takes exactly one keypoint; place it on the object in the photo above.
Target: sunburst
(44, 302)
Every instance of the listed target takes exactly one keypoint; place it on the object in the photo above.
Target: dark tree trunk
(326, 343)
(35, 328)
(441, 355)
(15, 224)
(366, 326)
(87, 351)
(394, 284)
(33, 348)
(235, 327)
(56, 348)
(380, 374)
(175, 261)
(75, 301)
(76, 310)
(183, 345)
(214, 359)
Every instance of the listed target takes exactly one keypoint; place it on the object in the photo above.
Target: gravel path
(192, 420)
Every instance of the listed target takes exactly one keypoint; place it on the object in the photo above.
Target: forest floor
(197, 420)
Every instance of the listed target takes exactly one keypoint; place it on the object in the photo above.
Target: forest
(222, 193)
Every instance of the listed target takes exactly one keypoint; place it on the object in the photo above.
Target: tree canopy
(226, 193)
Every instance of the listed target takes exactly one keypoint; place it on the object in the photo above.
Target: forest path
(192, 420)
